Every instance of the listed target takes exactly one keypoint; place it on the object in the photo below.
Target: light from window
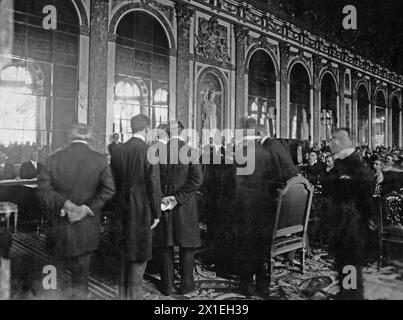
(161, 96)
(126, 90)
(18, 107)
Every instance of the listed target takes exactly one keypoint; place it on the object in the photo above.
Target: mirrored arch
(299, 111)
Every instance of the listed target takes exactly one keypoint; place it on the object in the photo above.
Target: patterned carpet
(29, 256)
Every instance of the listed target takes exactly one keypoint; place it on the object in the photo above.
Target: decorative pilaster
(354, 106)
(97, 89)
(284, 89)
(372, 113)
(184, 15)
(317, 107)
(342, 108)
(241, 79)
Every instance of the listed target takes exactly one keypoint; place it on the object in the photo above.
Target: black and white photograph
(201, 150)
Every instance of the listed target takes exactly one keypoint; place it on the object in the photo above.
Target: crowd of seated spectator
(386, 163)
(21, 160)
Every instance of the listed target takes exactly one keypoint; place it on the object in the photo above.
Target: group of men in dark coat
(169, 181)
(157, 205)
(77, 182)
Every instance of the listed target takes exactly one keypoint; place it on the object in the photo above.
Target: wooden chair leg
(303, 260)
(307, 245)
(380, 256)
(15, 221)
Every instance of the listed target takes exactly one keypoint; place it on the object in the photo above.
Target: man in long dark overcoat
(75, 184)
(139, 205)
(254, 211)
(179, 226)
(351, 193)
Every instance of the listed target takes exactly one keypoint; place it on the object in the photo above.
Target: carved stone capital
(241, 34)
(342, 69)
(184, 15)
(285, 52)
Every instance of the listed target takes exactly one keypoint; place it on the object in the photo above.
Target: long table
(19, 182)
(22, 192)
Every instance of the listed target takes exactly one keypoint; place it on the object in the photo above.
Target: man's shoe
(166, 291)
(247, 289)
(188, 287)
(263, 290)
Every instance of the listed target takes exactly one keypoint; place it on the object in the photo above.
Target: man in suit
(75, 184)
(282, 166)
(314, 170)
(31, 169)
(254, 212)
(179, 226)
(350, 192)
(114, 145)
(139, 204)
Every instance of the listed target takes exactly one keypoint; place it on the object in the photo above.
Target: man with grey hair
(75, 184)
(350, 191)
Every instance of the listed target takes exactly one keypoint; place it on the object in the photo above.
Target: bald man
(350, 192)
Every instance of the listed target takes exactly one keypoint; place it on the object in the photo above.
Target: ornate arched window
(40, 81)
(300, 111)
(328, 114)
(363, 116)
(395, 121)
(18, 106)
(142, 60)
(380, 120)
(262, 91)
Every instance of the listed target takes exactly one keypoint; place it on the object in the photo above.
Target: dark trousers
(254, 259)
(255, 264)
(80, 268)
(348, 247)
(166, 266)
(131, 280)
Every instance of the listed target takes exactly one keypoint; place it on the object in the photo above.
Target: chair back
(294, 206)
(392, 209)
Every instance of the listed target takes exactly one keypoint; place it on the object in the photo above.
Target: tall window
(380, 120)
(395, 121)
(300, 111)
(142, 72)
(38, 88)
(18, 116)
(328, 115)
(363, 116)
(262, 91)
